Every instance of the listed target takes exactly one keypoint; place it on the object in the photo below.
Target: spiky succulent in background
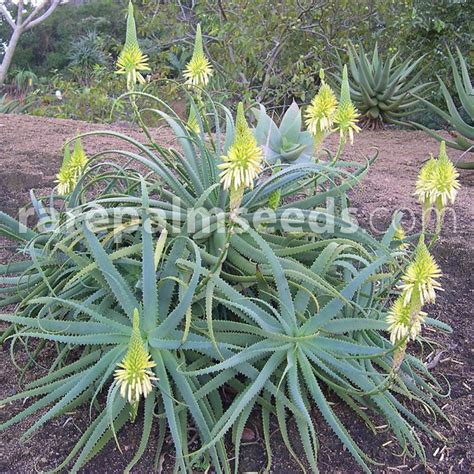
(382, 90)
(286, 143)
(131, 60)
(463, 133)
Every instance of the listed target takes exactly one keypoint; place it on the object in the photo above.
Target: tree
(25, 20)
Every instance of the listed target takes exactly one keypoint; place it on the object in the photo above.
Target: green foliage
(47, 47)
(382, 90)
(463, 139)
(429, 27)
(147, 264)
(259, 50)
(15, 106)
(272, 314)
(91, 101)
(88, 51)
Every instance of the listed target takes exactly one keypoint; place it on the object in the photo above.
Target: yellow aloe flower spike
(66, 178)
(420, 281)
(198, 70)
(134, 376)
(437, 183)
(424, 182)
(78, 158)
(243, 162)
(404, 321)
(320, 113)
(346, 114)
(131, 60)
(72, 167)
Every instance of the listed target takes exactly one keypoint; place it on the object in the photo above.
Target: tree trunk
(7, 58)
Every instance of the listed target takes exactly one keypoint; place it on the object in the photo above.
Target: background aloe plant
(383, 89)
(463, 133)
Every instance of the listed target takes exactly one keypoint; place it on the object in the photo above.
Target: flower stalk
(420, 284)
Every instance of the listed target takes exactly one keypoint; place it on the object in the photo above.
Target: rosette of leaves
(463, 133)
(286, 311)
(301, 338)
(275, 316)
(383, 90)
(84, 302)
(286, 143)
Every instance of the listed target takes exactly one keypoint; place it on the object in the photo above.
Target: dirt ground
(29, 158)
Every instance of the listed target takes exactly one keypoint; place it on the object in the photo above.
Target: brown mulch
(29, 158)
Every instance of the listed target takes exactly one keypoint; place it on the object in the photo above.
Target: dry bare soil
(29, 158)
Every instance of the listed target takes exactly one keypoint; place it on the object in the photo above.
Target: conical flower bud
(346, 114)
(131, 59)
(72, 167)
(198, 70)
(134, 376)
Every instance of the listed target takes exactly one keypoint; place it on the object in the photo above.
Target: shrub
(78, 100)
(86, 53)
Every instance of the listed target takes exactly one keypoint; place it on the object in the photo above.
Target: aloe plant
(463, 133)
(286, 143)
(383, 90)
(143, 293)
(290, 313)
(97, 322)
